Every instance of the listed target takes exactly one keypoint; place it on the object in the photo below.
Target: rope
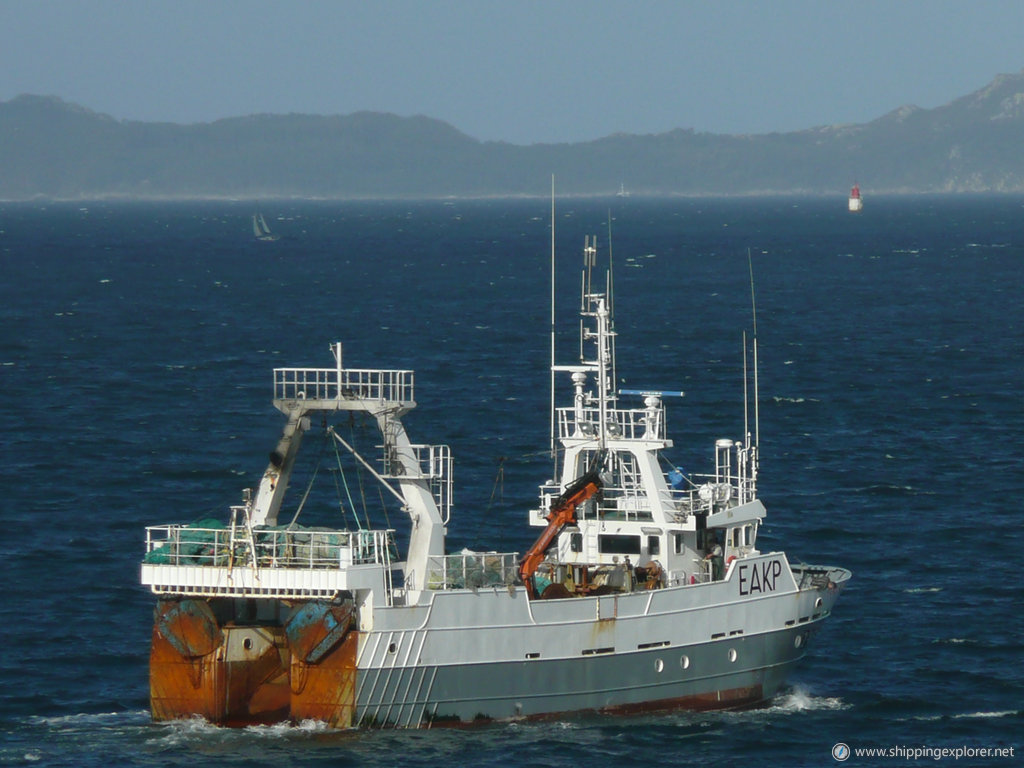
(498, 490)
(499, 481)
(341, 504)
(359, 476)
(359, 469)
(309, 485)
(348, 493)
(384, 507)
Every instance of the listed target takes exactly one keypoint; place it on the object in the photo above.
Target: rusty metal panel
(229, 676)
(245, 674)
(189, 626)
(180, 687)
(326, 690)
(315, 627)
(255, 661)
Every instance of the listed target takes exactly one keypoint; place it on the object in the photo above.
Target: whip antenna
(554, 453)
(611, 300)
(753, 309)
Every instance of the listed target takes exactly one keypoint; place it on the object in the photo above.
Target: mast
(746, 397)
(753, 309)
(603, 360)
(611, 298)
(554, 451)
(586, 289)
(598, 306)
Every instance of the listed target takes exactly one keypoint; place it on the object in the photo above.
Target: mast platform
(338, 389)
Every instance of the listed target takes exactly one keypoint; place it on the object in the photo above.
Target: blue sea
(136, 349)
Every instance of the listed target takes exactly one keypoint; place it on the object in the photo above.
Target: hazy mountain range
(52, 149)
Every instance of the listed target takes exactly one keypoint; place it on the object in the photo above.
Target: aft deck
(210, 560)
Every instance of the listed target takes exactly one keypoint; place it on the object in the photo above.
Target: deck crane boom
(563, 513)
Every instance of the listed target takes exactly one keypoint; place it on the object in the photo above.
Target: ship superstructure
(644, 591)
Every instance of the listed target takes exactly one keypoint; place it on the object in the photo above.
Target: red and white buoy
(856, 204)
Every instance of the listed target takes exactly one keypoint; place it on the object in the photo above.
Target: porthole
(732, 654)
(391, 648)
(684, 661)
(659, 665)
(818, 603)
(247, 643)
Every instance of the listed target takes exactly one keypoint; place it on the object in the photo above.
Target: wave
(137, 726)
(972, 715)
(792, 701)
(998, 644)
(801, 700)
(197, 729)
(966, 716)
(50, 739)
(104, 719)
(285, 729)
(894, 490)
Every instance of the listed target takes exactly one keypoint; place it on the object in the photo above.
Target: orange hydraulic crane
(563, 513)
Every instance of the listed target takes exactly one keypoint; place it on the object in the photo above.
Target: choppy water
(136, 343)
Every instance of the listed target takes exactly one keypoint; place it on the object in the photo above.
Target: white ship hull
(503, 657)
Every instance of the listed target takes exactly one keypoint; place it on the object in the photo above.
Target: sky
(521, 71)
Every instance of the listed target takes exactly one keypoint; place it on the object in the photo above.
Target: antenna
(611, 301)
(746, 397)
(753, 308)
(611, 271)
(586, 288)
(590, 259)
(583, 307)
(554, 452)
(753, 303)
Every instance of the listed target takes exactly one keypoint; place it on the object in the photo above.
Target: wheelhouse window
(610, 544)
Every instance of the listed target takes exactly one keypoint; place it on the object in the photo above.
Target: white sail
(260, 229)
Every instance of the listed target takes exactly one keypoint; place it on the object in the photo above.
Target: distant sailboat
(622, 191)
(856, 204)
(260, 230)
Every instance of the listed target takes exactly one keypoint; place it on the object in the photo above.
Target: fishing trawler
(645, 589)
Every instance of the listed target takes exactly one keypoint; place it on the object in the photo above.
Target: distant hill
(53, 149)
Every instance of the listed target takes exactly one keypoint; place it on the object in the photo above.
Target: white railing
(473, 570)
(621, 423)
(236, 546)
(352, 384)
(435, 465)
(619, 503)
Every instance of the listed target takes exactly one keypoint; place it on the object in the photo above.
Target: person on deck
(717, 561)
